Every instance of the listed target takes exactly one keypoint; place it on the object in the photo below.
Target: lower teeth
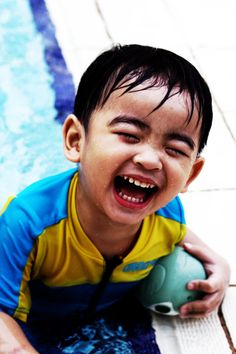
(130, 199)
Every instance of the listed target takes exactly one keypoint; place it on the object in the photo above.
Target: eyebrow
(129, 120)
(144, 126)
(182, 137)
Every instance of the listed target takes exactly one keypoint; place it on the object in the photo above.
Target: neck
(111, 239)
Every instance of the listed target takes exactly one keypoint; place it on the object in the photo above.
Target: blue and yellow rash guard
(50, 269)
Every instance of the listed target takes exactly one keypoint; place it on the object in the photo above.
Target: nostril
(149, 160)
(138, 163)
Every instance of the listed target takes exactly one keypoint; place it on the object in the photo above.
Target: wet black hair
(128, 66)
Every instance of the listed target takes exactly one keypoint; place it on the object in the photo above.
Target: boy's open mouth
(134, 191)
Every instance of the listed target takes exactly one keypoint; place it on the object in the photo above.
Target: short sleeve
(16, 244)
(174, 211)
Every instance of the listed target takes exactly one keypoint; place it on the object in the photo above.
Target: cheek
(178, 174)
(97, 167)
(110, 156)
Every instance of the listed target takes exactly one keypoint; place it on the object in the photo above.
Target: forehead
(145, 101)
(173, 116)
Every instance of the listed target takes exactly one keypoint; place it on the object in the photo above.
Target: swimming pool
(36, 93)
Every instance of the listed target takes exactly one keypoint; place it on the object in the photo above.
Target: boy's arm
(12, 339)
(214, 286)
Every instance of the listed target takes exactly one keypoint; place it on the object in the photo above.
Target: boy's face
(132, 161)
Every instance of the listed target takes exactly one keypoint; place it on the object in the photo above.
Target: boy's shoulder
(173, 210)
(57, 185)
(42, 203)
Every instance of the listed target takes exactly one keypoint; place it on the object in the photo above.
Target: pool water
(30, 135)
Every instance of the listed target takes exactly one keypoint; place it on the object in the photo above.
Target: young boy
(75, 243)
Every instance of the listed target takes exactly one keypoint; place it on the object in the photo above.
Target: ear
(73, 133)
(196, 169)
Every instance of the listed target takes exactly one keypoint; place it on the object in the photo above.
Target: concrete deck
(204, 33)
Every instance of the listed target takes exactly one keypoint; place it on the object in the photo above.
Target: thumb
(199, 252)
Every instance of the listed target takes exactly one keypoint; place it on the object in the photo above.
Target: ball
(164, 291)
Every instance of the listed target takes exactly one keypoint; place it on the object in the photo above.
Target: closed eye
(176, 152)
(129, 138)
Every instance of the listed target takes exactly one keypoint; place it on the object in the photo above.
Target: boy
(77, 242)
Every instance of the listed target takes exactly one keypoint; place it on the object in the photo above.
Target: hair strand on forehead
(130, 66)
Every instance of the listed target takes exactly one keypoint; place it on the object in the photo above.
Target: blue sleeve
(25, 218)
(173, 210)
(16, 243)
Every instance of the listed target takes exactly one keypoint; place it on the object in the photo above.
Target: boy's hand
(12, 339)
(214, 286)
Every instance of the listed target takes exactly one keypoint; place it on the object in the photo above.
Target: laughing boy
(77, 242)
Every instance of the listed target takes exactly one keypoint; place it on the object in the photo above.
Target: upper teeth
(139, 183)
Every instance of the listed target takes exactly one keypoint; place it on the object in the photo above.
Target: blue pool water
(30, 136)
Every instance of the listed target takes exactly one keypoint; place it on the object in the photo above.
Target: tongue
(133, 191)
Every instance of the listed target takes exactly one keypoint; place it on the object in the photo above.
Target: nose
(150, 159)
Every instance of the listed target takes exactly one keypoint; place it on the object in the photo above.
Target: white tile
(135, 21)
(204, 23)
(217, 65)
(80, 32)
(81, 19)
(166, 334)
(220, 156)
(205, 336)
(230, 118)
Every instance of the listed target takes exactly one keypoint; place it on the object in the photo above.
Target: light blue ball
(165, 289)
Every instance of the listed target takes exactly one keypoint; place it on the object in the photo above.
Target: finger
(195, 315)
(198, 252)
(208, 286)
(195, 312)
(200, 308)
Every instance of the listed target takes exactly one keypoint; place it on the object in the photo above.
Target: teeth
(139, 183)
(130, 199)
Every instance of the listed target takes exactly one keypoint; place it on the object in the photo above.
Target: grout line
(224, 189)
(103, 21)
(214, 100)
(226, 330)
(224, 119)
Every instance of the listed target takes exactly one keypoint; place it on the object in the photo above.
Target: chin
(126, 217)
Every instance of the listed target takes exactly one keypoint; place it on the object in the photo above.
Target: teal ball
(164, 291)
